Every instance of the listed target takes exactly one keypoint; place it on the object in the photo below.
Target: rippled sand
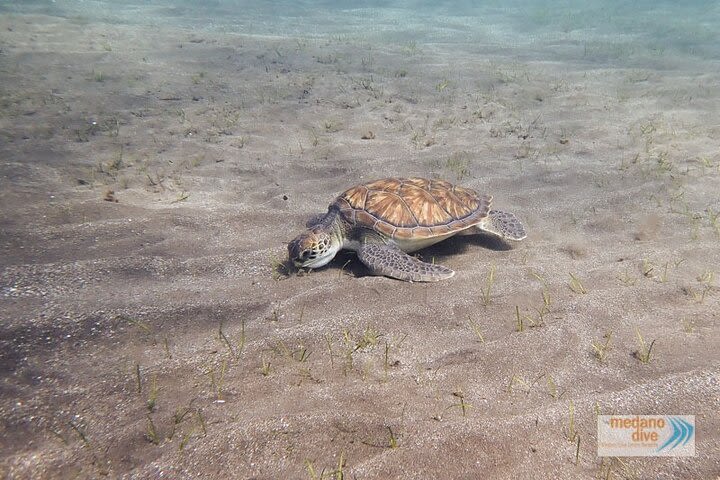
(150, 178)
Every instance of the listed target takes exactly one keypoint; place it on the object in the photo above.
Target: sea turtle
(384, 219)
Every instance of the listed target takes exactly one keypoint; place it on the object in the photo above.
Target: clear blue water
(612, 31)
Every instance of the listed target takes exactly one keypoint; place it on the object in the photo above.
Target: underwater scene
(359, 240)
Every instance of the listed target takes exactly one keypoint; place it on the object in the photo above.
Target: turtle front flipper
(388, 260)
(503, 224)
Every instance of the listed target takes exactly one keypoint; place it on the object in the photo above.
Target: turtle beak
(297, 251)
(310, 250)
(303, 251)
(318, 262)
(294, 250)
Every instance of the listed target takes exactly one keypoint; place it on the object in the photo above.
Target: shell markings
(412, 208)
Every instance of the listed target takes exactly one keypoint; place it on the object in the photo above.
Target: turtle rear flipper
(503, 224)
(390, 261)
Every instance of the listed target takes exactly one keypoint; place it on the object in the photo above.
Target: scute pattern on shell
(413, 207)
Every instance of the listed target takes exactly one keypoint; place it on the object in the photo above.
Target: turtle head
(313, 249)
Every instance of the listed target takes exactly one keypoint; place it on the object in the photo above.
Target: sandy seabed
(150, 178)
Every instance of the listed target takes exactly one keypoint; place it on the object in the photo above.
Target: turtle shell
(412, 208)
